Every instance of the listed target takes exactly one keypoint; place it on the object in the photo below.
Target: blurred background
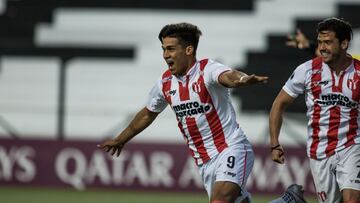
(74, 72)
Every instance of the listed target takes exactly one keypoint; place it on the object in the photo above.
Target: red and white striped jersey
(202, 106)
(332, 105)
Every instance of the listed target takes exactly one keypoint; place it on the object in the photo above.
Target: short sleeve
(213, 71)
(295, 85)
(156, 101)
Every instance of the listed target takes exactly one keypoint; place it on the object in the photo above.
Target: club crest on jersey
(352, 84)
(196, 87)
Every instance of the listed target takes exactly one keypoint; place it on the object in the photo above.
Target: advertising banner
(144, 166)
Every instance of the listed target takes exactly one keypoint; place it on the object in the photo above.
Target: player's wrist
(278, 146)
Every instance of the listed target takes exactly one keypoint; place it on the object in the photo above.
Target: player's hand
(277, 155)
(112, 146)
(298, 41)
(251, 79)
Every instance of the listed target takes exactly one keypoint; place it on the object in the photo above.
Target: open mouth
(170, 63)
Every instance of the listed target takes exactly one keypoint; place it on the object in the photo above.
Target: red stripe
(353, 125)
(332, 134)
(356, 79)
(341, 82)
(166, 86)
(187, 139)
(195, 135)
(316, 130)
(334, 120)
(316, 90)
(212, 117)
(197, 139)
(333, 87)
(184, 90)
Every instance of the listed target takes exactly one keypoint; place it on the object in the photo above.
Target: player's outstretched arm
(236, 78)
(275, 121)
(141, 121)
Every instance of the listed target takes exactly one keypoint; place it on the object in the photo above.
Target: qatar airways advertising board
(144, 166)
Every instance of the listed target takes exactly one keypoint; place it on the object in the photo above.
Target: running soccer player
(331, 84)
(198, 93)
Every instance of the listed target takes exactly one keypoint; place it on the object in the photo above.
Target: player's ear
(344, 44)
(189, 50)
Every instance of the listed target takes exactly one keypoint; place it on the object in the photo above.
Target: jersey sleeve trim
(289, 92)
(153, 111)
(223, 71)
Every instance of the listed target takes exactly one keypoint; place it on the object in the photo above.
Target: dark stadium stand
(278, 62)
(350, 12)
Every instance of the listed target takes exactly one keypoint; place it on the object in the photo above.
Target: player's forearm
(231, 78)
(140, 122)
(282, 101)
(275, 123)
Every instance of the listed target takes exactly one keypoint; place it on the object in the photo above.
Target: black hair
(186, 33)
(342, 28)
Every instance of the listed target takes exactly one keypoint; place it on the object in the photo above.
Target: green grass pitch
(60, 195)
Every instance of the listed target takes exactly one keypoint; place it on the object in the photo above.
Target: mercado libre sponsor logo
(336, 99)
(190, 109)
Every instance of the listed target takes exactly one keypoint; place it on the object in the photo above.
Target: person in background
(331, 84)
(198, 93)
(300, 41)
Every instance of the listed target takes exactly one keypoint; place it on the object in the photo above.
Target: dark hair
(341, 28)
(186, 33)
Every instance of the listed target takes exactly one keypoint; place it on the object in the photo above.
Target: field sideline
(53, 195)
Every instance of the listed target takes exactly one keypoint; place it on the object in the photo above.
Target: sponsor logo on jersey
(191, 109)
(336, 99)
(355, 181)
(316, 71)
(229, 173)
(318, 83)
(170, 92)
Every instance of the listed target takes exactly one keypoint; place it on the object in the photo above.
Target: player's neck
(341, 63)
(190, 64)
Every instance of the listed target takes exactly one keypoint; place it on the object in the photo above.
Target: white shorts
(335, 173)
(234, 164)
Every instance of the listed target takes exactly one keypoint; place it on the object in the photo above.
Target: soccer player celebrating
(331, 84)
(198, 93)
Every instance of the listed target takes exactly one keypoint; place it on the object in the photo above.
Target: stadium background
(73, 73)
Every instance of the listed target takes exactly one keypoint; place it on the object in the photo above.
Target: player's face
(176, 56)
(329, 46)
